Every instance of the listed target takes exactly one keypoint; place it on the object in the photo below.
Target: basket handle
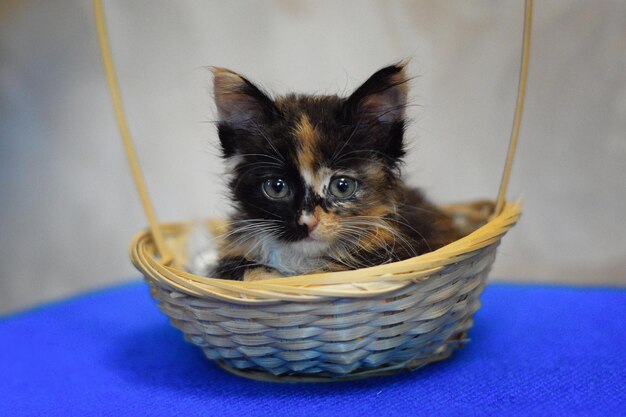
(519, 107)
(131, 154)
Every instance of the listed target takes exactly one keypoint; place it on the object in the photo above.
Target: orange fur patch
(305, 132)
(329, 222)
(260, 273)
(379, 211)
(376, 239)
(379, 237)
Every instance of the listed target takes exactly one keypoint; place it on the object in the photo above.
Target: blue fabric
(534, 351)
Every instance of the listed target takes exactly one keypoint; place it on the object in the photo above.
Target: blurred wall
(67, 204)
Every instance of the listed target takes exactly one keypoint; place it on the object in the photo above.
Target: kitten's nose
(309, 220)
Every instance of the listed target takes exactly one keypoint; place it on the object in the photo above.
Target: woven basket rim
(363, 282)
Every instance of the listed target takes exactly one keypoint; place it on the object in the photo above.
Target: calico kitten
(316, 183)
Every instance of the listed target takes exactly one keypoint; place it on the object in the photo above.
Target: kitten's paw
(260, 273)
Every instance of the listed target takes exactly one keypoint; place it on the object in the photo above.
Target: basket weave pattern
(331, 326)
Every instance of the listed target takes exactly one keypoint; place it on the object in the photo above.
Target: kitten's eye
(275, 188)
(343, 187)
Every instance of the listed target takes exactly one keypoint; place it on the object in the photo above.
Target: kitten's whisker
(235, 228)
(244, 228)
(253, 220)
(265, 211)
(370, 152)
(380, 223)
(356, 235)
(405, 223)
(248, 237)
(262, 155)
(255, 166)
(416, 208)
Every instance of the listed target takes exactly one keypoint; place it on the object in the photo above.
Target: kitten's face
(311, 171)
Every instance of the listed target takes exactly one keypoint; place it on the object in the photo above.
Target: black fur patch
(232, 267)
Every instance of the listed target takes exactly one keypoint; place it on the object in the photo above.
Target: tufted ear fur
(241, 107)
(238, 101)
(382, 98)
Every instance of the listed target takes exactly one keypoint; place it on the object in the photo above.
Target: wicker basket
(332, 326)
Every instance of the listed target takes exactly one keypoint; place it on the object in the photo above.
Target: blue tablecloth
(535, 350)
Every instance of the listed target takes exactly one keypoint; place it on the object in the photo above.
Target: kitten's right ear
(240, 104)
(382, 98)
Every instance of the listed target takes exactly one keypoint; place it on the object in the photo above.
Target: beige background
(68, 207)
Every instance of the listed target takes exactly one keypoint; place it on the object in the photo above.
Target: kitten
(316, 182)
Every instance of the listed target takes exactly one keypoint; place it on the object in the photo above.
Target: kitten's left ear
(382, 98)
